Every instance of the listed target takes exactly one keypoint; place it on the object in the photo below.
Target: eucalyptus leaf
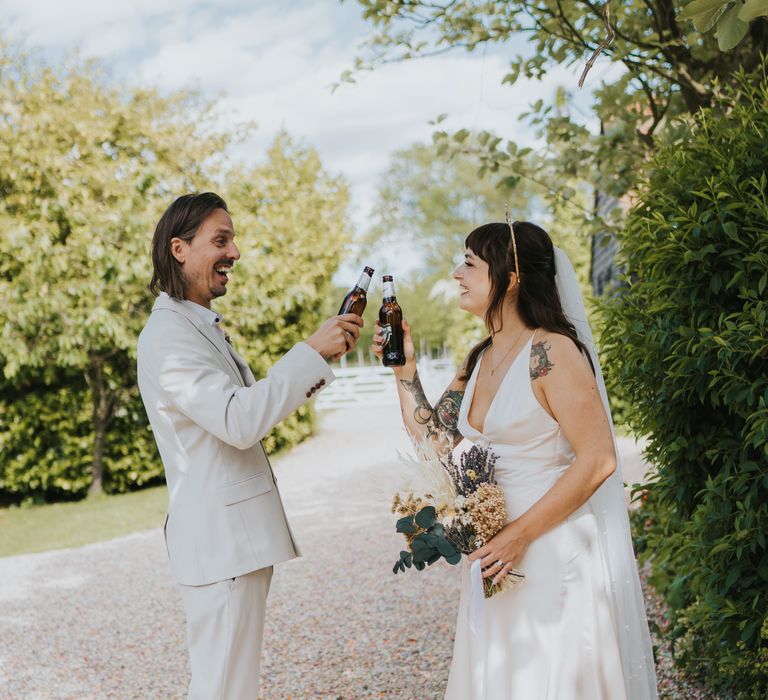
(438, 529)
(426, 517)
(406, 526)
(445, 547)
(421, 548)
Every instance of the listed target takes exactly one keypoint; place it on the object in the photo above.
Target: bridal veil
(610, 510)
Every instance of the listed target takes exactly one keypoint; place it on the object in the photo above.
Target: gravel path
(104, 621)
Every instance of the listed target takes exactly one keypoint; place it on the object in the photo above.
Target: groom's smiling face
(207, 260)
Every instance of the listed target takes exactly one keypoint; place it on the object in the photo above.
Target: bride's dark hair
(538, 302)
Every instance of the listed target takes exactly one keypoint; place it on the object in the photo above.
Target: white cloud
(243, 54)
(357, 128)
(273, 62)
(56, 24)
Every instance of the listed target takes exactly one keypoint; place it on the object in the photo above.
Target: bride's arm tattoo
(543, 366)
(423, 413)
(443, 418)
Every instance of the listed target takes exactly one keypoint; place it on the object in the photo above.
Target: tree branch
(632, 40)
(647, 136)
(656, 23)
(570, 26)
(603, 44)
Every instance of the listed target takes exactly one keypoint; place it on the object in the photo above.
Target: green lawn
(39, 528)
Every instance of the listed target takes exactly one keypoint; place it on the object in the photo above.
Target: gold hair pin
(511, 225)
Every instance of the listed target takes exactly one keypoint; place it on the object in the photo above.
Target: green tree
(291, 219)
(686, 344)
(729, 19)
(426, 205)
(430, 204)
(86, 169)
(667, 70)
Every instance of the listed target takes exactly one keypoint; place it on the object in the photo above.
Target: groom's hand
(337, 336)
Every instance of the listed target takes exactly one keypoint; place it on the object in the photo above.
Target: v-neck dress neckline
(469, 393)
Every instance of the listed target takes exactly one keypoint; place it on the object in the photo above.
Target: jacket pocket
(243, 489)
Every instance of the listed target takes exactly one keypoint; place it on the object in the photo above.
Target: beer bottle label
(386, 331)
(364, 281)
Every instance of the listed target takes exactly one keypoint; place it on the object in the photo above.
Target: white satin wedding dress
(551, 637)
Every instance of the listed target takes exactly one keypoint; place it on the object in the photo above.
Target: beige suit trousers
(225, 629)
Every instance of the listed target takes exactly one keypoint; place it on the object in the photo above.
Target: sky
(273, 62)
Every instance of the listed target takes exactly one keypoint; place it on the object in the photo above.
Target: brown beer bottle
(355, 301)
(391, 321)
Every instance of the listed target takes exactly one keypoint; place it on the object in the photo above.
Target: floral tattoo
(447, 409)
(543, 365)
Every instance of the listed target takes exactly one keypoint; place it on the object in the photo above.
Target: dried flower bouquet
(462, 511)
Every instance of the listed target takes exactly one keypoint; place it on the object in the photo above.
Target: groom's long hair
(538, 302)
(181, 220)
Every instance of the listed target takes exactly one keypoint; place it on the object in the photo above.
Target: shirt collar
(208, 315)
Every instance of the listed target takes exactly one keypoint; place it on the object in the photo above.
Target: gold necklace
(506, 354)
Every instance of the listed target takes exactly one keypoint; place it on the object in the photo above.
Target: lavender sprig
(476, 466)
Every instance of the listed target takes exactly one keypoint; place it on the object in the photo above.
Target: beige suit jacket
(208, 415)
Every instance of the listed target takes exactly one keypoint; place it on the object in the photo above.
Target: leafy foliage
(85, 172)
(729, 18)
(431, 204)
(427, 205)
(291, 219)
(686, 344)
(429, 542)
(46, 443)
(664, 69)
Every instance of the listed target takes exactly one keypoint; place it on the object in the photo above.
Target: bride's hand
(503, 553)
(377, 346)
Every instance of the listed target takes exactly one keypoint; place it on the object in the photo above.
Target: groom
(226, 526)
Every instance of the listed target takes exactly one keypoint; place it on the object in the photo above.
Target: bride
(532, 392)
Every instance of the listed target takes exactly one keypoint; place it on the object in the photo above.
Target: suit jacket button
(309, 393)
(322, 382)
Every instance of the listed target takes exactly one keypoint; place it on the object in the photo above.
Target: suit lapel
(208, 331)
(245, 370)
(221, 345)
